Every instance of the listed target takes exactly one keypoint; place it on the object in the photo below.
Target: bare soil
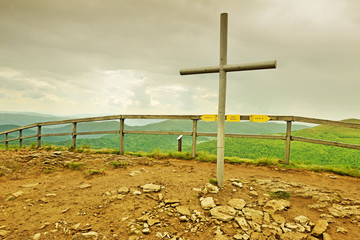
(51, 201)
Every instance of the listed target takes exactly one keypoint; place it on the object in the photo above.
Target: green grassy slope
(300, 152)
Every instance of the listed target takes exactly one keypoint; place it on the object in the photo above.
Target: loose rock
(208, 203)
(223, 213)
(320, 227)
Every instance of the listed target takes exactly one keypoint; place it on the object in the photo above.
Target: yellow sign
(233, 118)
(259, 118)
(209, 117)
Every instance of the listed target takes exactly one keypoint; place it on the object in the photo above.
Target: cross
(222, 69)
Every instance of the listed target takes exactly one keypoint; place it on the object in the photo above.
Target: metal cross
(222, 69)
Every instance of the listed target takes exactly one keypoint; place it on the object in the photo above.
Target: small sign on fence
(259, 118)
(209, 117)
(233, 118)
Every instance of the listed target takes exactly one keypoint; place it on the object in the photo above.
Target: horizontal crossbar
(230, 68)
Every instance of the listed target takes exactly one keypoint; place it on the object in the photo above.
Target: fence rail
(194, 133)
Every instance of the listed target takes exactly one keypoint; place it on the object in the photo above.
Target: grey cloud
(66, 43)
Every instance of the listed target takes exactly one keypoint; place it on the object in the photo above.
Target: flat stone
(146, 231)
(50, 195)
(291, 226)
(152, 221)
(211, 188)
(36, 236)
(326, 236)
(302, 220)
(151, 188)
(30, 185)
(253, 193)
(344, 211)
(90, 235)
(44, 225)
(320, 227)
(237, 184)
(208, 203)
(18, 193)
(223, 213)
(220, 237)
(86, 185)
(293, 236)
(76, 226)
(4, 233)
(278, 218)
(341, 230)
(143, 218)
(329, 218)
(134, 173)
(183, 210)
(172, 201)
(256, 227)
(269, 230)
(241, 221)
(123, 190)
(273, 206)
(253, 214)
(237, 203)
(136, 192)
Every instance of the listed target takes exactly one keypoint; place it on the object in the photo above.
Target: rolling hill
(300, 152)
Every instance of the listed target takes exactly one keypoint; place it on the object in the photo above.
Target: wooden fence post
(6, 141)
(20, 138)
(74, 135)
(122, 136)
(194, 136)
(39, 137)
(288, 140)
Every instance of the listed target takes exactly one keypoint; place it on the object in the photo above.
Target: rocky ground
(65, 195)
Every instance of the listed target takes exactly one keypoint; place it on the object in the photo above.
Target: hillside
(148, 143)
(300, 152)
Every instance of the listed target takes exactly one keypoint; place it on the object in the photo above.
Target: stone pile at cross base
(252, 221)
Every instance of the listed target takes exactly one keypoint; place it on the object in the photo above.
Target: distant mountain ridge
(27, 118)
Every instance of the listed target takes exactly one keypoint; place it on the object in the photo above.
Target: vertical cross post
(222, 69)
(222, 100)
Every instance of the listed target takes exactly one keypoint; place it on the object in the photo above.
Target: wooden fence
(194, 133)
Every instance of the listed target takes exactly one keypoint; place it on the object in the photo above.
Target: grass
(75, 165)
(279, 195)
(213, 181)
(207, 157)
(91, 172)
(119, 164)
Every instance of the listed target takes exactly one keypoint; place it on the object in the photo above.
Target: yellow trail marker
(209, 117)
(259, 118)
(233, 118)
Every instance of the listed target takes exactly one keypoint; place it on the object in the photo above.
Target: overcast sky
(105, 57)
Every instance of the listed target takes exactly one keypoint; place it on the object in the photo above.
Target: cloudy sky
(104, 57)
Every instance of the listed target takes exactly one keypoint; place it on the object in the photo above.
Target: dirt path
(41, 198)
